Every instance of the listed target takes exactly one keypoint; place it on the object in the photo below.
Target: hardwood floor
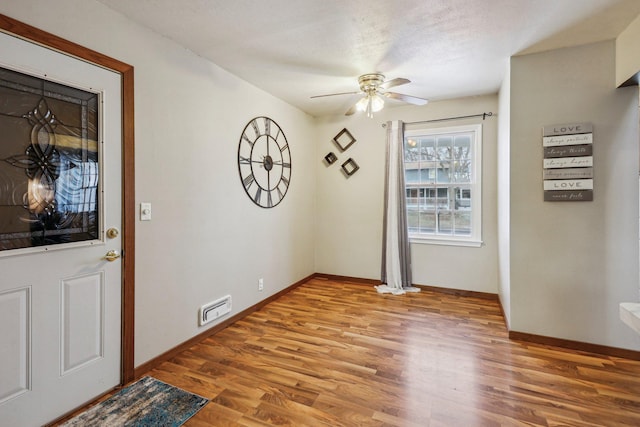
(338, 354)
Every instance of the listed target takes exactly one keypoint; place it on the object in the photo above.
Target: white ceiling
(294, 49)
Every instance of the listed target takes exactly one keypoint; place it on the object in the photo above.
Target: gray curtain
(396, 251)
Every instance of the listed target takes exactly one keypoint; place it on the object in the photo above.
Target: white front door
(60, 303)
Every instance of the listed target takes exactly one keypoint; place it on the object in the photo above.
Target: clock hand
(247, 160)
(281, 163)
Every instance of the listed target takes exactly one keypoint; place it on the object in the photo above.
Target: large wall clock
(264, 162)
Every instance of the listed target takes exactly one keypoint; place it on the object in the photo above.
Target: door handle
(112, 233)
(111, 256)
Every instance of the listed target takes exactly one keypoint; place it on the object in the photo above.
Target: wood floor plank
(360, 358)
(333, 353)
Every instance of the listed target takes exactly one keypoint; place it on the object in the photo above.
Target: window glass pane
(421, 199)
(411, 176)
(463, 199)
(427, 149)
(428, 221)
(410, 192)
(443, 198)
(424, 174)
(462, 147)
(443, 172)
(462, 222)
(413, 218)
(430, 175)
(49, 167)
(411, 150)
(462, 171)
(462, 213)
(462, 155)
(445, 222)
(444, 147)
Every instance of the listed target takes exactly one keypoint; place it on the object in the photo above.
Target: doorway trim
(53, 42)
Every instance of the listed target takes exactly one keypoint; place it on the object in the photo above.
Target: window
(443, 184)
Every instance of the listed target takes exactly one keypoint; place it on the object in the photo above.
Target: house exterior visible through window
(443, 184)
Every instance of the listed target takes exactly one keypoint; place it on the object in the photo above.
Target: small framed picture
(330, 158)
(350, 167)
(344, 139)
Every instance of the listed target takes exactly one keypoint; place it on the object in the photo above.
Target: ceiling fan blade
(351, 111)
(394, 82)
(406, 98)
(335, 94)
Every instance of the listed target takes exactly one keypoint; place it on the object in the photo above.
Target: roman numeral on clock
(247, 140)
(247, 181)
(267, 126)
(254, 124)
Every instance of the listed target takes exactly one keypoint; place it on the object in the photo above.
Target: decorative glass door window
(49, 162)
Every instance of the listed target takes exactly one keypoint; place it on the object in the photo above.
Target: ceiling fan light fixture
(371, 103)
(362, 104)
(377, 103)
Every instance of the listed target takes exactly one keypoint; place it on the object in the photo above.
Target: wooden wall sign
(568, 173)
(568, 162)
(561, 140)
(568, 151)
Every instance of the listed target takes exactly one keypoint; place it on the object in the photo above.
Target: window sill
(423, 240)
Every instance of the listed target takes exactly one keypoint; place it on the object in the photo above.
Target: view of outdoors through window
(439, 183)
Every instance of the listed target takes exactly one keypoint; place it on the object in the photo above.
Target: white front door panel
(60, 305)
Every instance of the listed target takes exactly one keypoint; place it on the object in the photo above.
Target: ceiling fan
(372, 86)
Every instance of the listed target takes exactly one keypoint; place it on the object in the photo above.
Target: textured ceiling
(294, 49)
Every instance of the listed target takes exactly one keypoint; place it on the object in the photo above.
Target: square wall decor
(330, 158)
(350, 167)
(344, 139)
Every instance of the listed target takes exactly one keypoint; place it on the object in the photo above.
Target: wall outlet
(261, 284)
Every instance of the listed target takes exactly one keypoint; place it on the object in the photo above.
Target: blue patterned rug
(147, 402)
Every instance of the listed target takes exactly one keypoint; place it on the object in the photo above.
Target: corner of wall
(504, 198)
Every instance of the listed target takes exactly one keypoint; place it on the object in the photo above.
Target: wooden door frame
(29, 33)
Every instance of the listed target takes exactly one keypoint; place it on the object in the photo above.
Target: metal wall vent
(213, 310)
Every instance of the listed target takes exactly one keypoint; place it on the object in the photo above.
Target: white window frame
(475, 238)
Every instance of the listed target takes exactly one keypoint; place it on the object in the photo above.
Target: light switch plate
(145, 211)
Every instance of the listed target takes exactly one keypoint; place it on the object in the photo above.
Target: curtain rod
(483, 115)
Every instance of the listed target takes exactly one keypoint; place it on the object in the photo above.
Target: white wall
(504, 198)
(570, 264)
(206, 239)
(349, 218)
(573, 263)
